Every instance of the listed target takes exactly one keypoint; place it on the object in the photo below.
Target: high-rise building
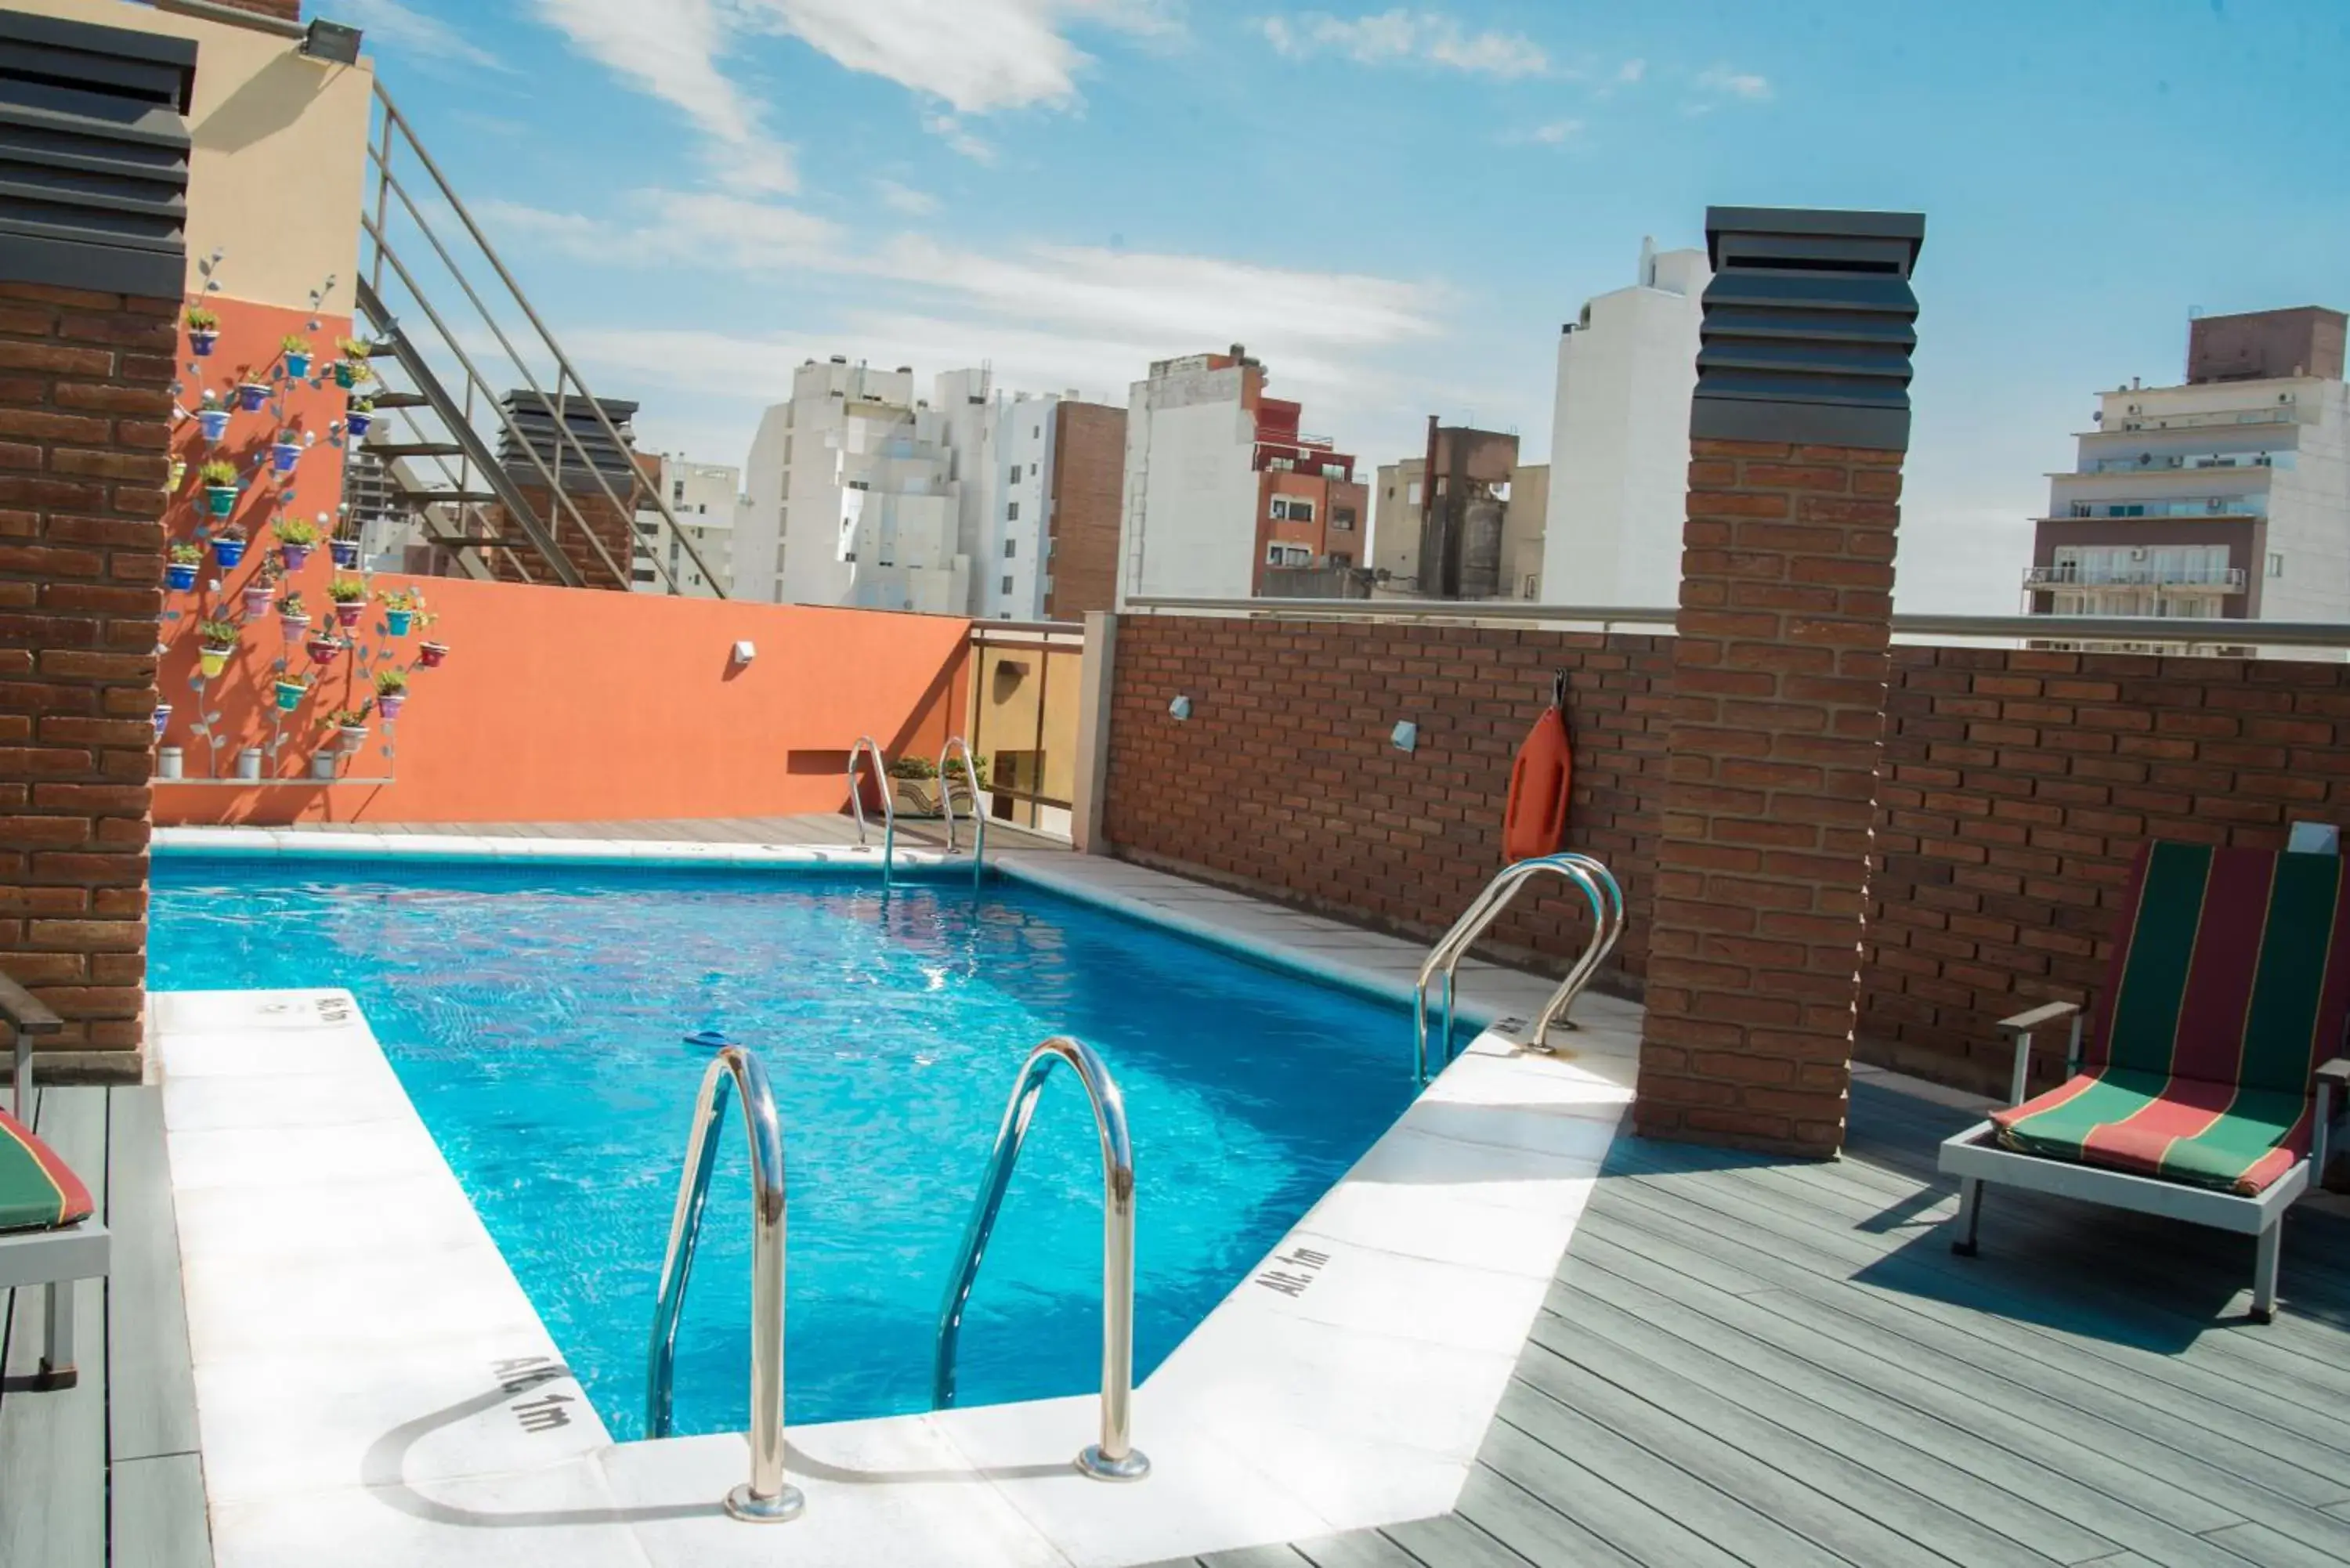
(1221, 484)
(1619, 438)
(702, 497)
(1503, 521)
(2227, 497)
(1087, 478)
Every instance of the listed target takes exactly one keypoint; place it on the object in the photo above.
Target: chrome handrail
(766, 1497)
(1606, 919)
(1114, 1458)
(865, 743)
(946, 804)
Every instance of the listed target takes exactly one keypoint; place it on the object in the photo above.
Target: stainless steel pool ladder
(1115, 1457)
(1607, 900)
(864, 746)
(946, 804)
(766, 1497)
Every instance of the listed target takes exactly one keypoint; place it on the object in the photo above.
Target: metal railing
(866, 746)
(2227, 579)
(766, 1497)
(1114, 1457)
(978, 816)
(1606, 900)
(393, 134)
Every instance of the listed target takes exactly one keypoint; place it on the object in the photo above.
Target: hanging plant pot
(292, 625)
(162, 717)
(352, 736)
(284, 455)
(297, 366)
(251, 395)
(356, 420)
(214, 422)
(256, 600)
(180, 576)
(220, 499)
(428, 655)
(294, 555)
(390, 704)
(228, 551)
(397, 621)
(212, 661)
(347, 612)
(289, 695)
(202, 341)
(322, 649)
(344, 551)
(344, 375)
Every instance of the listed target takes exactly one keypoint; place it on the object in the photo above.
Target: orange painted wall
(569, 704)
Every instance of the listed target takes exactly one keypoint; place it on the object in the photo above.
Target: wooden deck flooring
(1744, 1364)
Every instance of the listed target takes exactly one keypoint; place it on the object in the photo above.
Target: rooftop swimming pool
(537, 1017)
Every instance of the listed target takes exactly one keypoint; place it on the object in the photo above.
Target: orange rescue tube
(1535, 822)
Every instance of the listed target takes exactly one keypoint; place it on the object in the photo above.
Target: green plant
(348, 718)
(913, 767)
(347, 591)
(187, 555)
(217, 633)
(289, 603)
(218, 473)
(295, 343)
(199, 320)
(355, 347)
(296, 531)
(362, 405)
(409, 599)
(390, 683)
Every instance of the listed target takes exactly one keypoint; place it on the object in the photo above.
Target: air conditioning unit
(2138, 553)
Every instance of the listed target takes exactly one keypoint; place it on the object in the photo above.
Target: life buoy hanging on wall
(1540, 782)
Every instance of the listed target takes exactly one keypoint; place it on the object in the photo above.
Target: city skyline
(1394, 208)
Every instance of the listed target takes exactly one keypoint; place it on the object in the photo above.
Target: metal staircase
(456, 341)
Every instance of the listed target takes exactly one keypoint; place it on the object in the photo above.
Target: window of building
(2276, 564)
(1279, 554)
(1342, 517)
(1292, 509)
(1011, 548)
(1013, 511)
(1007, 584)
(1015, 474)
(1341, 559)
(1411, 493)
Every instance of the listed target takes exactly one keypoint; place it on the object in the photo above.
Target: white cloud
(671, 51)
(1630, 72)
(390, 23)
(949, 129)
(1558, 133)
(1724, 82)
(1402, 37)
(673, 228)
(905, 199)
(976, 54)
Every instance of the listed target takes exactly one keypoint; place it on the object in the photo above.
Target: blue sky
(1395, 207)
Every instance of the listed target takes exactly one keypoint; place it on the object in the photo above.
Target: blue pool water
(536, 1018)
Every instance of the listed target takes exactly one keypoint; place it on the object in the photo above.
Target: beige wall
(280, 155)
(1521, 529)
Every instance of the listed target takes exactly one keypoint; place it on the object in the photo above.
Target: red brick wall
(1284, 780)
(1089, 482)
(85, 405)
(2019, 784)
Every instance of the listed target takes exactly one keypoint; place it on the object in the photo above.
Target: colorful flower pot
(251, 395)
(347, 612)
(356, 420)
(298, 365)
(220, 499)
(215, 422)
(292, 625)
(289, 695)
(397, 621)
(344, 551)
(322, 649)
(353, 736)
(162, 717)
(344, 375)
(212, 661)
(228, 552)
(202, 341)
(256, 600)
(428, 655)
(180, 576)
(296, 556)
(389, 704)
(284, 455)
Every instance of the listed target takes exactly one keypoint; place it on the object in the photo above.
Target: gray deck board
(152, 1391)
(158, 1513)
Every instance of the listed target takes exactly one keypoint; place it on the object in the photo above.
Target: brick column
(85, 405)
(1797, 432)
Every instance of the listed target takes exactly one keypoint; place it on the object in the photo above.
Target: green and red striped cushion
(36, 1191)
(2229, 983)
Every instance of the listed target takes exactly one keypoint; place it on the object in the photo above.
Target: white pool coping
(265, 843)
(374, 1387)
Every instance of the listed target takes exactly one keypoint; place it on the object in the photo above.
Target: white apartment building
(858, 493)
(2225, 498)
(704, 497)
(1619, 438)
(1189, 524)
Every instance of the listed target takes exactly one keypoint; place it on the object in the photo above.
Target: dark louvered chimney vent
(1809, 325)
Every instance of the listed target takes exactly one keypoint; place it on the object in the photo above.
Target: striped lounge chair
(47, 1234)
(2218, 1060)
